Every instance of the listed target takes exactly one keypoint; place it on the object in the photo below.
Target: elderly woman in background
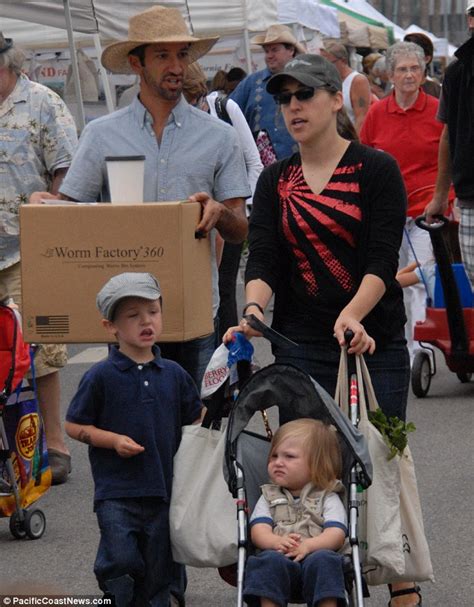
(404, 125)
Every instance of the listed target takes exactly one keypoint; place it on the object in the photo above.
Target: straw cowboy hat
(155, 25)
(278, 34)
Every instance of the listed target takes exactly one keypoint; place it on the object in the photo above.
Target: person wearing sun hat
(261, 112)
(189, 154)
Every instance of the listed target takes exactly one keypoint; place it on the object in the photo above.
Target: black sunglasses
(471, 12)
(301, 94)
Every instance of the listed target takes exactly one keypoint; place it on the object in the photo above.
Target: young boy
(129, 409)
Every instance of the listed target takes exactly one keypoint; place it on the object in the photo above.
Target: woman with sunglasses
(324, 235)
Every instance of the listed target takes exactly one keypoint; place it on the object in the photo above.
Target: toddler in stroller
(338, 579)
(299, 522)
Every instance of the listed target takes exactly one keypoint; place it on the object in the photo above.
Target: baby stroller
(19, 418)
(296, 395)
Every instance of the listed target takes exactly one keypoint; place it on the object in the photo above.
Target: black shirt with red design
(314, 249)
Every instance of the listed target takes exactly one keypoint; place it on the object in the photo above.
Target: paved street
(442, 446)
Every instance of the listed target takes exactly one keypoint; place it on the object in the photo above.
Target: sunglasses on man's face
(471, 12)
(301, 94)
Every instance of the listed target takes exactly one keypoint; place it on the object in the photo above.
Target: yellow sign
(27, 435)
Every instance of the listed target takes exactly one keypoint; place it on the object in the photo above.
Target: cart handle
(441, 222)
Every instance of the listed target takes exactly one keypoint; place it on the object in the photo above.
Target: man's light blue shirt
(262, 113)
(197, 153)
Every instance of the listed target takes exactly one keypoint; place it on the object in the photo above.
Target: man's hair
(321, 446)
(404, 49)
(338, 50)
(236, 74)
(139, 51)
(290, 47)
(379, 66)
(194, 83)
(13, 59)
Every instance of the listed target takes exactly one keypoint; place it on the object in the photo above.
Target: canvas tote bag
(203, 518)
(411, 537)
(379, 513)
(416, 555)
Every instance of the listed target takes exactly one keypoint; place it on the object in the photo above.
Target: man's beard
(159, 90)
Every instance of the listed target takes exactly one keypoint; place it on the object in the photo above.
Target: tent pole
(103, 75)
(75, 69)
(248, 56)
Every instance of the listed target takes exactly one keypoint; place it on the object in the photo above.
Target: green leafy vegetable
(394, 431)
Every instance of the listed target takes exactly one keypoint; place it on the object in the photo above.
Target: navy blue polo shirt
(147, 402)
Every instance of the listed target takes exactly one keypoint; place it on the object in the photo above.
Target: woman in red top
(404, 125)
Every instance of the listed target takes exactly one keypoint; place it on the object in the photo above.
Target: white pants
(415, 296)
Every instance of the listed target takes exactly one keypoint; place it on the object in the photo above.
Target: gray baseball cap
(311, 70)
(128, 284)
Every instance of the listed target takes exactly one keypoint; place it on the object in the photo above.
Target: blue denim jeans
(275, 576)
(133, 560)
(389, 369)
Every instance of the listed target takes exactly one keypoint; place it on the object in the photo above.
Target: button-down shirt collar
(177, 114)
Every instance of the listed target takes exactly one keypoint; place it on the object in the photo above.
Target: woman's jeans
(134, 561)
(276, 577)
(389, 369)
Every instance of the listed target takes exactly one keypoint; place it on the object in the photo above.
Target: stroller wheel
(17, 527)
(464, 378)
(421, 374)
(35, 523)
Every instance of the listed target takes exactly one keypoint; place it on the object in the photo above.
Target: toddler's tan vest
(303, 516)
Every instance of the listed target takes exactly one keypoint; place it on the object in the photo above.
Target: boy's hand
(285, 543)
(127, 447)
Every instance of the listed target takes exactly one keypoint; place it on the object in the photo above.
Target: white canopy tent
(362, 7)
(67, 22)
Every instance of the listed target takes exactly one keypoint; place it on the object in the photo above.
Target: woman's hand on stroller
(361, 342)
(243, 327)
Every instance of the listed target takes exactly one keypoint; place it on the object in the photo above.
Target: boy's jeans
(134, 560)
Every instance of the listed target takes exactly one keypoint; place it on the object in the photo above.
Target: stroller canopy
(296, 395)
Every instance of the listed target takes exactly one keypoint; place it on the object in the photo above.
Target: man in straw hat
(189, 154)
(258, 106)
(38, 139)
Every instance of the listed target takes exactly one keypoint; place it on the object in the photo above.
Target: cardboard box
(69, 251)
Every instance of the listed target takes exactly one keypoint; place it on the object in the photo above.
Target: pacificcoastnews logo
(100, 253)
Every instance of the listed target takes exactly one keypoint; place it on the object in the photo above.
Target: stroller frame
(23, 522)
(263, 390)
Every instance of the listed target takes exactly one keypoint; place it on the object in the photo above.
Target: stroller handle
(348, 336)
(441, 222)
